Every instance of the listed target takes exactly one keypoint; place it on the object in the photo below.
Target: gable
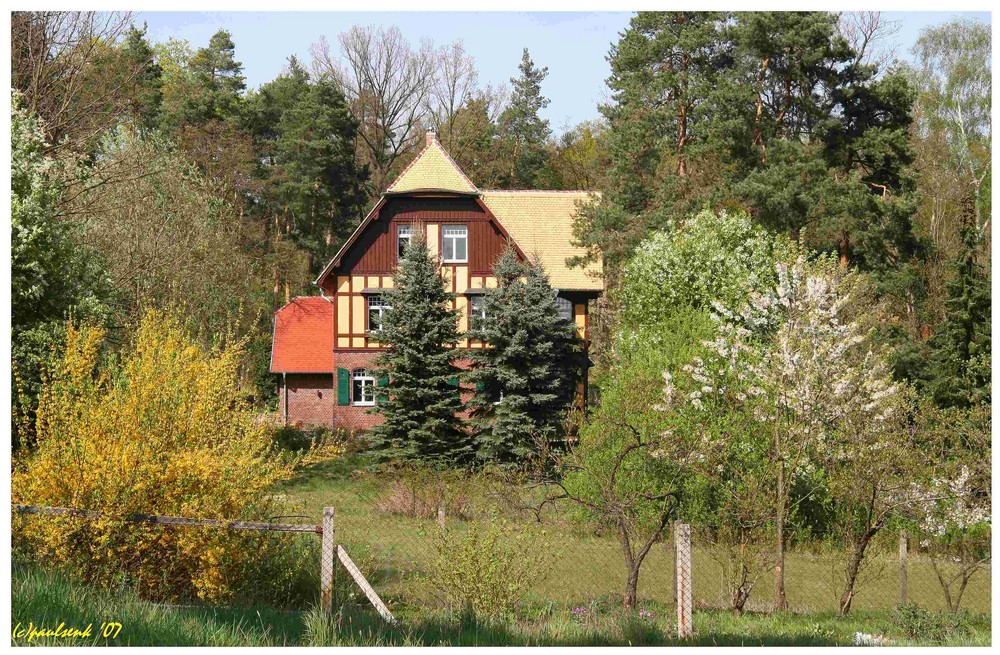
(432, 170)
(536, 222)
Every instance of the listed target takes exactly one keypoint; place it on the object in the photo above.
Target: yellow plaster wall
(358, 318)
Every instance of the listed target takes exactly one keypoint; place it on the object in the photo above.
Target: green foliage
(525, 380)
(485, 569)
(419, 404)
(305, 136)
(926, 627)
(961, 353)
(51, 274)
(149, 77)
(215, 84)
(524, 131)
(770, 110)
(712, 257)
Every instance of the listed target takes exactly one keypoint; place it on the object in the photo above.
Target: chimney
(431, 137)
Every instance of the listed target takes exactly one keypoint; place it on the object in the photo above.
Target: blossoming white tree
(802, 359)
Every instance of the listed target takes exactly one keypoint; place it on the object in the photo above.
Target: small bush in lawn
(418, 492)
(164, 429)
(920, 625)
(486, 568)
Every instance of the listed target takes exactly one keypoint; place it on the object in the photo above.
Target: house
(325, 346)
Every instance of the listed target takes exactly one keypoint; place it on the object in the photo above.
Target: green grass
(47, 599)
(395, 551)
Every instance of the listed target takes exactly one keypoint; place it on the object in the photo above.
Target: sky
(572, 45)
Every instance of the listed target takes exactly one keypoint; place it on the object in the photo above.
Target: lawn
(395, 553)
(397, 550)
(46, 599)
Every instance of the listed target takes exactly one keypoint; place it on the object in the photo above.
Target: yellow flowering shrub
(161, 429)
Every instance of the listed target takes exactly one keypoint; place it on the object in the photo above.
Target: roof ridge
(538, 191)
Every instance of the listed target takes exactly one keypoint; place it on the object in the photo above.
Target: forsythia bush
(163, 429)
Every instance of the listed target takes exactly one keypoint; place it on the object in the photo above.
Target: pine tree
(525, 379)
(419, 400)
(305, 135)
(219, 82)
(141, 59)
(524, 131)
(961, 349)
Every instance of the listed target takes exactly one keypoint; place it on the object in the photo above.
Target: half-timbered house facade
(325, 346)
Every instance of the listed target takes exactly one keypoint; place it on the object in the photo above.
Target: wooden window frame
(455, 260)
(362, 375)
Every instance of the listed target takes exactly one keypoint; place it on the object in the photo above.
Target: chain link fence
(394, 529)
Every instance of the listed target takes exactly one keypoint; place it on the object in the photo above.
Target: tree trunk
(780, 602)
(853, 568)
(758, 131)
(845, 251)
(631, 586)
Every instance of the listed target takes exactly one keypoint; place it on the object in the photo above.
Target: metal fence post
(903, 568)
(328, 557)
(682, 544)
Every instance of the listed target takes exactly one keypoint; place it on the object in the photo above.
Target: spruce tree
(961, 349)
(417, 393)
(524, 131)
(525, 379)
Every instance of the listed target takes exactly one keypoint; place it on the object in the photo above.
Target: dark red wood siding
(375, 249)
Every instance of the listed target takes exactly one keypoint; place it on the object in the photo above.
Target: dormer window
(404, 236)
(455, 244)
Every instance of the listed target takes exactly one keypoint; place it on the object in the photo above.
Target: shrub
(418, 492)
(162, 430)
(710, 258)
(920, 625)
(485, 569)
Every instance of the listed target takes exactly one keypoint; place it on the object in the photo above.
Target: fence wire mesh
(408, 535)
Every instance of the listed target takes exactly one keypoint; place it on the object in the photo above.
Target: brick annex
(324, 347)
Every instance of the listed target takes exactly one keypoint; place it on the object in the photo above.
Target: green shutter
(343, 386)
(453, 382)
(480, 387)
(382, 382)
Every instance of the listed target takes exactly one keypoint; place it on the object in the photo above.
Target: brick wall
(311, 399)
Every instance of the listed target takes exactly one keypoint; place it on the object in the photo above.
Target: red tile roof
(303, 337)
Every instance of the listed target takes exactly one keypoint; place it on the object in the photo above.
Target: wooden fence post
(682, 546)
(440, 516)
(903, 568)
(327, 561)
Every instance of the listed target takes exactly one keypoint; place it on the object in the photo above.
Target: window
(565, 308)
(477, 308)
(377, 307)
(362, 387)
(404, 236)
(455, 243)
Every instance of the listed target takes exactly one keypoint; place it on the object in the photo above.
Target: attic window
(404, 236)
(455, 244)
